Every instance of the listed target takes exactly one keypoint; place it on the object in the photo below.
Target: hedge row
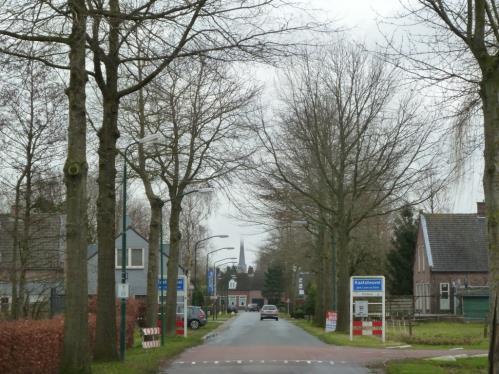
(35, 346)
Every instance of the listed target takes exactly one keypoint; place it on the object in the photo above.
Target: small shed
(475, 303)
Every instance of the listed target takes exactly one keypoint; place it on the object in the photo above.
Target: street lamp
(161, 245)
(228, 260)
(196, 256)
(207, 264)
(153, 138)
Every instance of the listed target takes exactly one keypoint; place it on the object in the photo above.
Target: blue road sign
(367, 284)
(164, 285)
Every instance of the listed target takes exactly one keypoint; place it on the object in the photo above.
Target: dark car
(269, 311)
(232, 308)
(252, 307)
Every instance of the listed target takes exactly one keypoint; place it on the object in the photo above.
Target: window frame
(129, 258)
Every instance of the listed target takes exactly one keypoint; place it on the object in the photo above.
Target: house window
(134, 257)
(242, 301)
(4, 304)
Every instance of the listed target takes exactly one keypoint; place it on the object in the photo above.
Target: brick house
(451, 255)
(248, 290)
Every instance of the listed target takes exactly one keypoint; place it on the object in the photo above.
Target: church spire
(242, 261)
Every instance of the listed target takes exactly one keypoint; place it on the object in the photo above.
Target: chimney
(481, 209)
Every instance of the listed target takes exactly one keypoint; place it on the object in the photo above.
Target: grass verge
(475, 365)
(143, 361)
(427, 335)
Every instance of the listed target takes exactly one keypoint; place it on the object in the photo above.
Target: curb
(219, 329)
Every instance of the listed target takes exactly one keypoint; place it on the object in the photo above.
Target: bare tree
(346, 143)
(31, 140)
(174, 29)
(199, 107)
(458, 52)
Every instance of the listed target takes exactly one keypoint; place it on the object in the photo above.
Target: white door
(444, 296)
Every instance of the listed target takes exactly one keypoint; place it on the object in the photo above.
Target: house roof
(456, 242)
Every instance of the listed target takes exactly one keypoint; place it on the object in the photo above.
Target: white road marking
(331, 362)
(308, 362)
(193, 362)
(215, 362)
(227, 362)
(262, 361)
(319, 362)
(285, 361)
(250, 361)
(239, 362)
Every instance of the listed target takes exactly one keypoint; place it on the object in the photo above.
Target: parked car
(196, 316)
(252, 307)
(269, 311)
(232, 308)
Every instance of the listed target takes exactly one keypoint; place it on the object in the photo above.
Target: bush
(30, 346)
(298, 314)
(35, 346)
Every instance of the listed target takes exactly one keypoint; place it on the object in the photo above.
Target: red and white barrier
(367, 328)
(153, 333)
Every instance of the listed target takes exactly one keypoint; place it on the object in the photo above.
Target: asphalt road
(248, 345)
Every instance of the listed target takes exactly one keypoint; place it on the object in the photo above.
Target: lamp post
(229, 260)
(207, 265)
(196, 256)
(161, 245)
(153, 138)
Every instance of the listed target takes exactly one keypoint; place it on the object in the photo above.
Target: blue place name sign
(367, 284)
(163, 284)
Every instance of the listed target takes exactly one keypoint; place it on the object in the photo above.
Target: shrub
(35, 346)
(298, 313)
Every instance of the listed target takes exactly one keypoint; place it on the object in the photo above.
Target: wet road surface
(248, 345)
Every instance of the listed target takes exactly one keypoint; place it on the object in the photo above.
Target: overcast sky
(359, 17)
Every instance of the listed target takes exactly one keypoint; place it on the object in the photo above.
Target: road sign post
(181, 293)
(366, 291)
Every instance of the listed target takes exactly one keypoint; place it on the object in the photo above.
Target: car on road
(252, 307)
(269, 311)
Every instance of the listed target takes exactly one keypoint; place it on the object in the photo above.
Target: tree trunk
(489, 93)
(105, 335)
(343, 279)
(172, 273)
(152, 269)
(319, 299)
(76, 355)
(15, 251)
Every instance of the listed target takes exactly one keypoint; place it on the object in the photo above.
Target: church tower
(242, 261)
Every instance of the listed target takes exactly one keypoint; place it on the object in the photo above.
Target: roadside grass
(139, 360)
(427, 335)
(475, 365)
(451, 334)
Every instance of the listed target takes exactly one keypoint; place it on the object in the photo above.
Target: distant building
(137, 265)
(243, 289)
(451, 256)
(44, 263)
(241, 267)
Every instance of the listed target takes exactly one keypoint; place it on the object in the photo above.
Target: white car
(269, 311)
